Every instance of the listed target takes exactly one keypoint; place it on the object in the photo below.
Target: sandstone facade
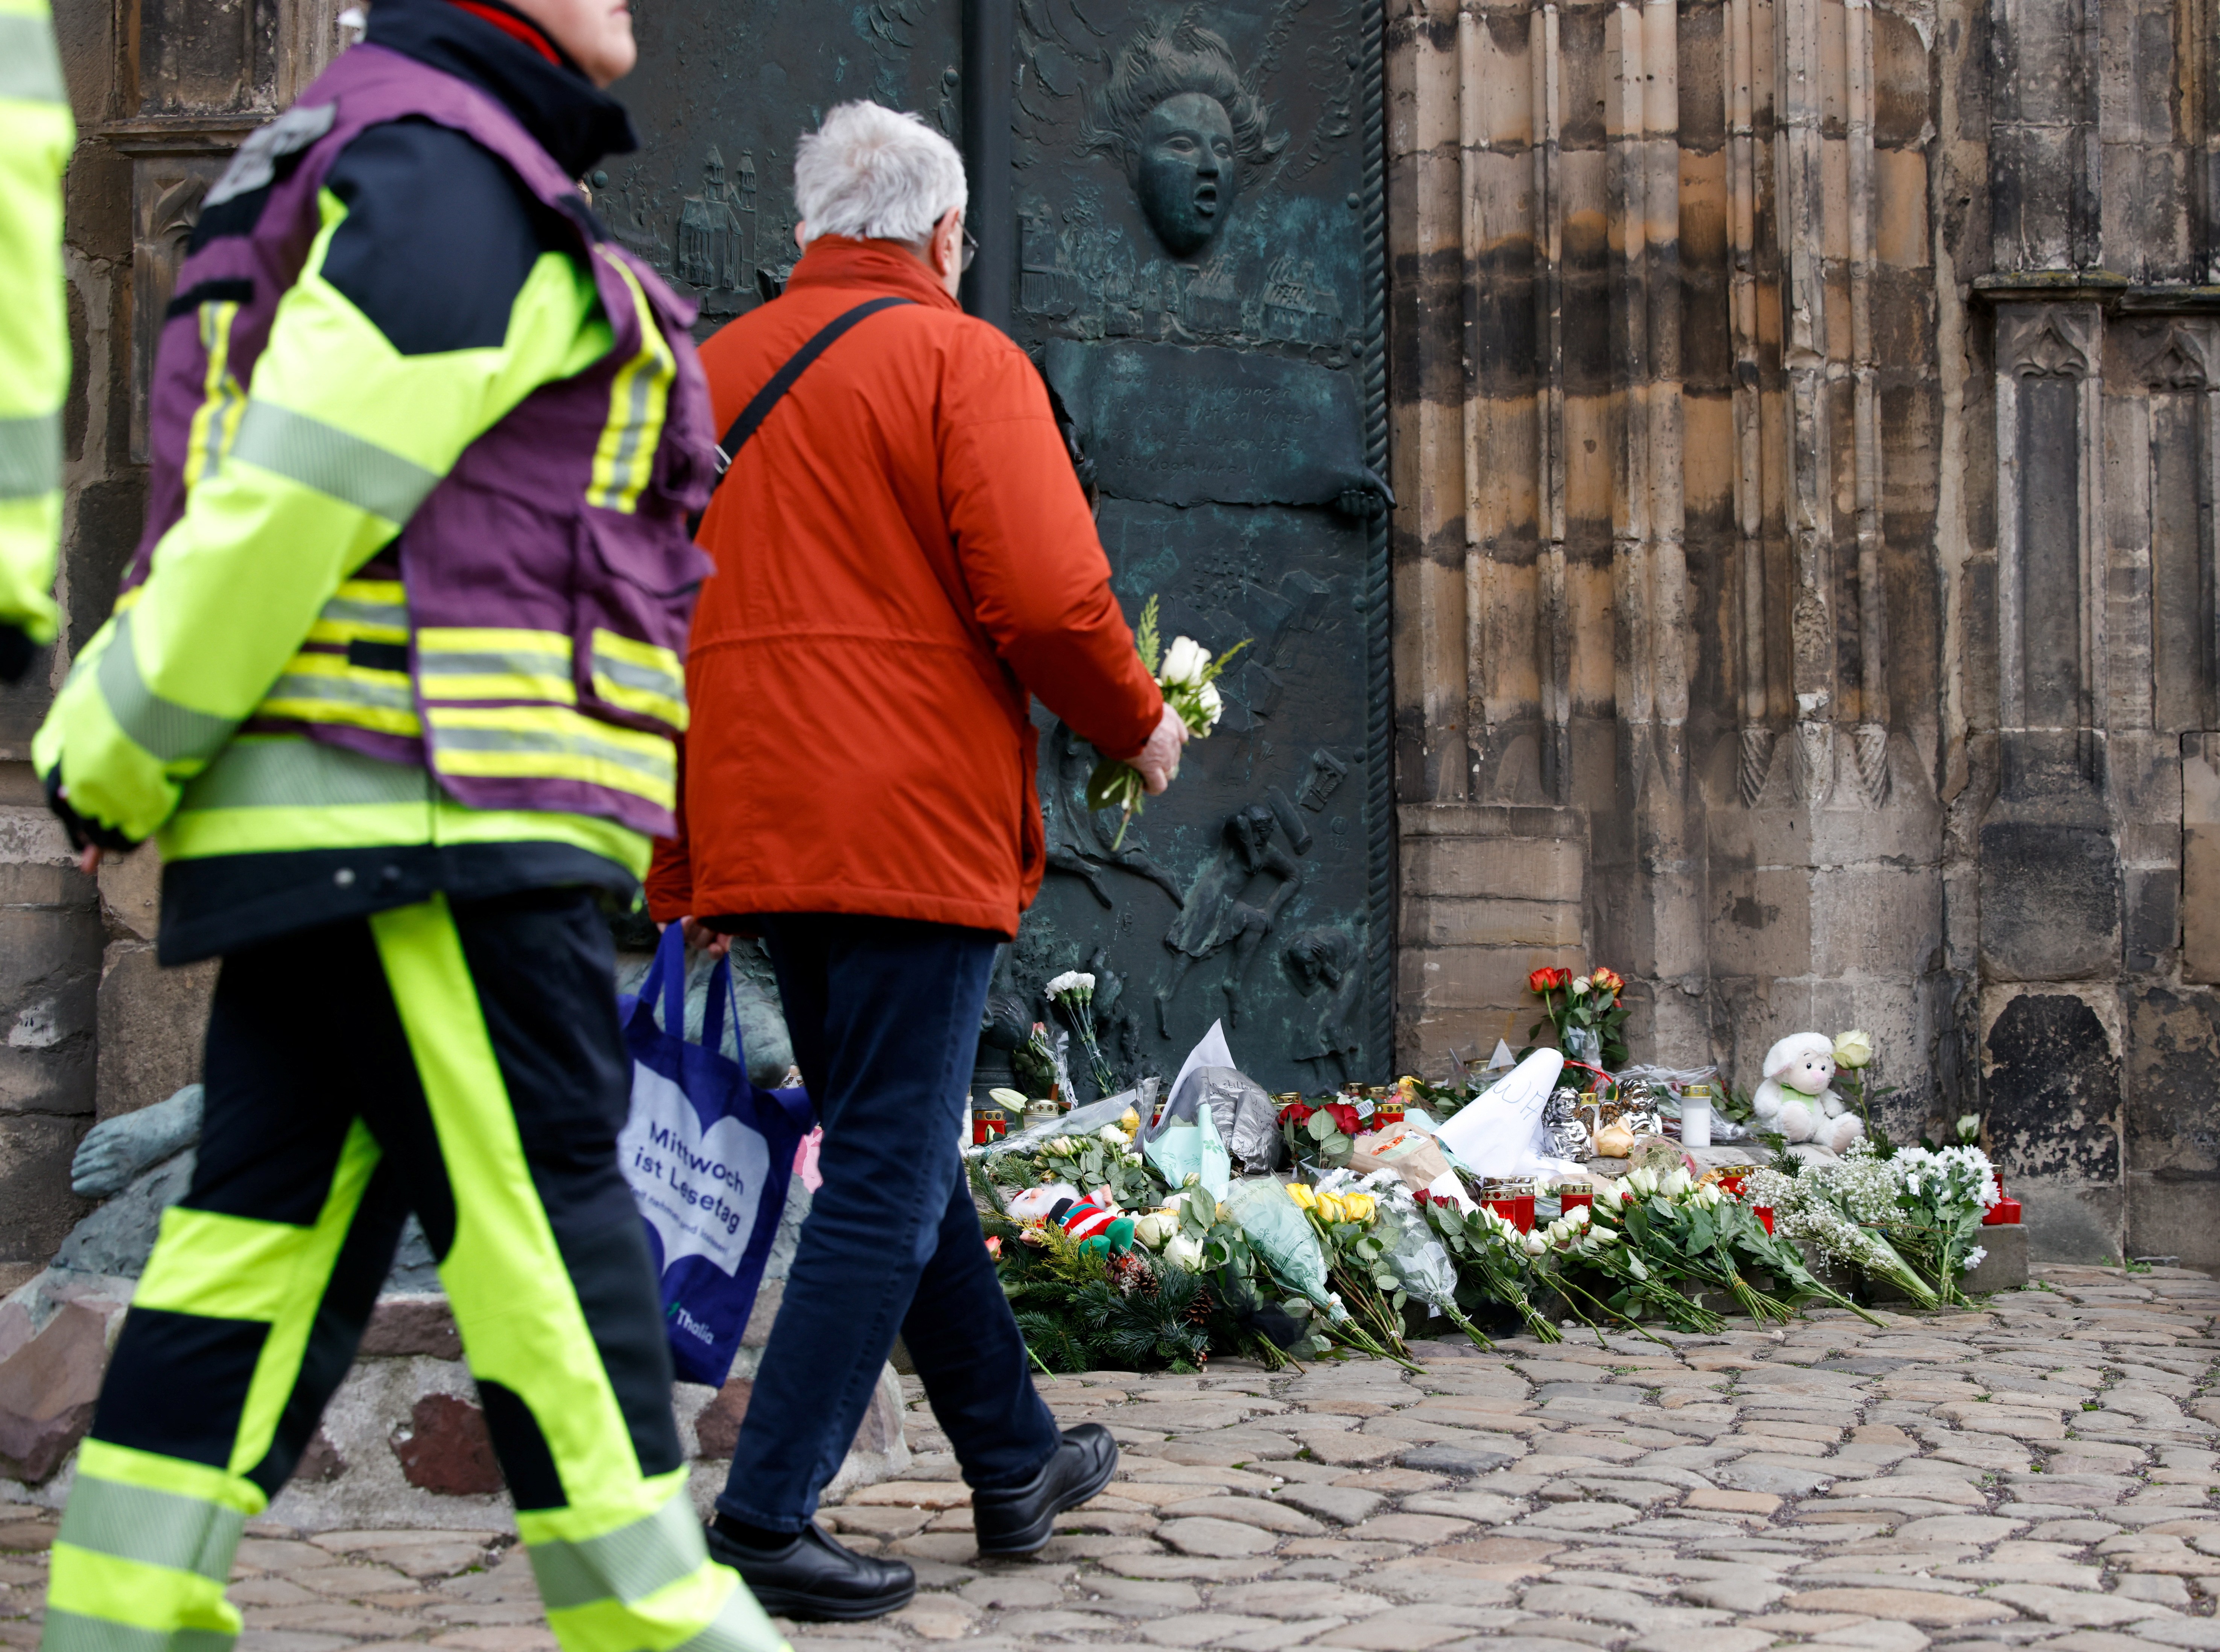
(1804, 580)
(1804, 593)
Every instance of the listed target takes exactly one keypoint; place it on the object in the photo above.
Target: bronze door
(1184, 227)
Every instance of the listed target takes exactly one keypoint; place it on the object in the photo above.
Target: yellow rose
(1300, 1193)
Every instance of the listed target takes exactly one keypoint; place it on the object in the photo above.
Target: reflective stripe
(329, 688)
(364, 610)
(624, 458)
(551, 742)
(135, 1522)
(738, 1626)
(30, 63)
(630, 1564)
(30, 455)
(166, 730)
(216, 422)
(292, 771)
(323, 457)
(71, 1631)
(493, 662)
(640, 676)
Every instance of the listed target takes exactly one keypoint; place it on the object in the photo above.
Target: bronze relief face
(1188, 170)
(1178, 110)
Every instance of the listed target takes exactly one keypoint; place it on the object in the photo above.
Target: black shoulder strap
(759, 406)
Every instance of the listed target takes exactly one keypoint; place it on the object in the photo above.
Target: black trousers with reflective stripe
(304, 1039)
(463, 1061)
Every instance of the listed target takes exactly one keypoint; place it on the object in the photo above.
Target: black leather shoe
(815, 1579)
(1019, 1522)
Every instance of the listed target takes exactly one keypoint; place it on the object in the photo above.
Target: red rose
(1297, 1113)
(1345, 1118)
(1548, 981)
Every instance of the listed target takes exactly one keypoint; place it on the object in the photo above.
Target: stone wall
(1805, 585)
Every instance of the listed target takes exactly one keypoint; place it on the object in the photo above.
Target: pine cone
(1200, 1311)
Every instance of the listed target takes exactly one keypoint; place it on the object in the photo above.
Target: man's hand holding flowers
(1188, 678)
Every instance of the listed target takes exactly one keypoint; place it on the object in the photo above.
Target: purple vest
(548, 577)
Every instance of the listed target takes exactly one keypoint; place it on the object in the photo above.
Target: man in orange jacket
(904, 557)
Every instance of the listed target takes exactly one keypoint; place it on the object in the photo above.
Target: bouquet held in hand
(1188, 676)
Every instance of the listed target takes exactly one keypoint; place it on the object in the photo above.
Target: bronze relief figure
(1177, 110)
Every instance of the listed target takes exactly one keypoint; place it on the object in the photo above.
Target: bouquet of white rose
(1188, 676)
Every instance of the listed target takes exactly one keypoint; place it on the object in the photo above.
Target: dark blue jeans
(885, 1019)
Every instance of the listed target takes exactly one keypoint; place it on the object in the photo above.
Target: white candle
(1695, 1121)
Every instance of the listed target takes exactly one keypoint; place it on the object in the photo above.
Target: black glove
(83, 833)
(17, 650)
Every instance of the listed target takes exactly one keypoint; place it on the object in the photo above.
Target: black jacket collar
(573, 120)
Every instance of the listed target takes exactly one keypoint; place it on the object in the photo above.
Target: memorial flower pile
(1909, 1218)
(1691, 1237)
(1134, 1274)
(1108, 1262)
(1321, 1136)
(1495, 1262)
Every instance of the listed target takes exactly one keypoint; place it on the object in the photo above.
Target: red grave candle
(1518, 1210)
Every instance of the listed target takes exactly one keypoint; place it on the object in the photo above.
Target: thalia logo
(686, 1322)
(699, 1189)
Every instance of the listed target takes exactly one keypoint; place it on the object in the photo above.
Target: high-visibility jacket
(405, 617)
(36, 135)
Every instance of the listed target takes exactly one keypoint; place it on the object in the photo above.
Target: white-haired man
(904, 557)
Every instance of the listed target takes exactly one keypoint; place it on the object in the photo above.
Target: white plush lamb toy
(1798, 1097)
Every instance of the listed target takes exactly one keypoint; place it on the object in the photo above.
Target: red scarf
(514, 28)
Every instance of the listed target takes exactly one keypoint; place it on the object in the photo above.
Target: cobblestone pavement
(2042, 1470)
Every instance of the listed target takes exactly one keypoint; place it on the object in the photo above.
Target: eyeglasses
(970, 251)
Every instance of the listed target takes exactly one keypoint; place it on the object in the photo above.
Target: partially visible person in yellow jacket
(36, 135)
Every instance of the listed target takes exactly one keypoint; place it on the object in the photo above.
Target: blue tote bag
(708, 1156)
